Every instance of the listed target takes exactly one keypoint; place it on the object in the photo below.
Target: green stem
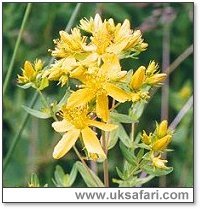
(8, 75)
(26, 116)
(18, 134)
(44, 101)
(73, 17)
(105, 162)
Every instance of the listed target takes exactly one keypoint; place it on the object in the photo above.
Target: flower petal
(102, 126)
(62, 126)
(92, 143)
(116, 93)
(66, 143)
(80, 97)
(102, 106)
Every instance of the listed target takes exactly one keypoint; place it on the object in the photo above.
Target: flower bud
(162, 143)
(144, 46)
(159, 163)
(152, 68)
(29, 72)
(156, 79)
(138, 78)
(145, 138)
(162, 129)
(38, 65)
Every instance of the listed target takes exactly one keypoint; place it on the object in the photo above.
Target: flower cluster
(157, 143)
(94, 61)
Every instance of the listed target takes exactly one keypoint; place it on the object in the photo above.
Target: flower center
(76, 116)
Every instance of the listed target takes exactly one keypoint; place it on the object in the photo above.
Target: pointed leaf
(36, 113)
(124, 136)
(25, 86)
(136, 110)
(120, 174)
(72, 175)
(140, 154)
(157, 171)
(127, 154)
(118, 117)
(44, 83)
(113, 137)
(59, 176)
(91, 181)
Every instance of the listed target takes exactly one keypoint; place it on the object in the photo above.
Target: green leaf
(123, 136)
(140, 154)
(144, 146)
(156, 171)
(25, 86)
(117, 117)
(137, 138)
(36, 113)
(72, 175)
(127, 154)
(59, 176)
(136, 110)
(91, 181)
(44, 83)
(34, 182)
(62, 179)
(113, 137)
(120, 174)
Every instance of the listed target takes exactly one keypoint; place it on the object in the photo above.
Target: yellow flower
(60, 70)
(138, 78)
(30, 71)
(71, 45)
(162, 129)
(162, 143)
(107, 37)
(76, 123)
(91, 25)
(98, 84)
(159, 163)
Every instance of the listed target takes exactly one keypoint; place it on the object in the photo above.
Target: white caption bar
(97, 195)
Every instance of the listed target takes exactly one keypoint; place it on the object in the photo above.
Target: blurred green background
(157, 21)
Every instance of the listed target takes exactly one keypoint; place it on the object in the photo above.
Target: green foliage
(62, 179)
(34, 181)
(90, 178)
(37, 113)
(121, 118)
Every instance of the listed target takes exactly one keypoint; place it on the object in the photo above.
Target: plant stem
(8, 75)
(84, 164)
(18, 134)
(73, 17)
(105, 163)
(44, 101)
